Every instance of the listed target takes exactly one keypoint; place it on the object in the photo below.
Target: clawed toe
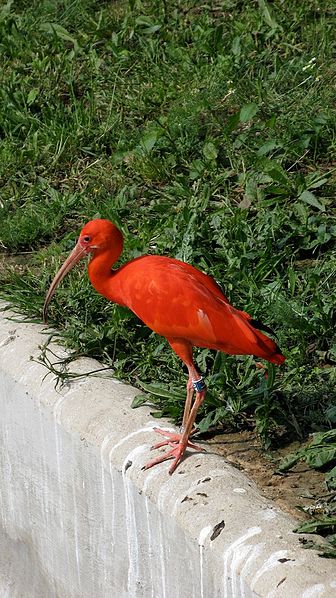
(175, 453)
(174, 440)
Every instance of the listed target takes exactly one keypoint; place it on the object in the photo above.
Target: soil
(17, 262)
(300, 487)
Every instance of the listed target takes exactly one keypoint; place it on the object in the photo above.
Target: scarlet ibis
(178, 302)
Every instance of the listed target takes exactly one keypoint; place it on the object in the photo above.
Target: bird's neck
(100, 268)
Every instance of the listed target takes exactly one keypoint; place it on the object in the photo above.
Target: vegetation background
(205, 131)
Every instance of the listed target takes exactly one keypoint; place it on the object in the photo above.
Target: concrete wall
(80, 519)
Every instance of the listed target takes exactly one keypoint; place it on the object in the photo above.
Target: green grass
(206, 131)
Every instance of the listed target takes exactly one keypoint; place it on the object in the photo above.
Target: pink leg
(187, 406)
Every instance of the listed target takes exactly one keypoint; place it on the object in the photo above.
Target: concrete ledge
(80, 519)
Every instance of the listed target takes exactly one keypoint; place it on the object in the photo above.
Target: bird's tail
(265, 347)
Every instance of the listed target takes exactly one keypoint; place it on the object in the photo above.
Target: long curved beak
(77, 253)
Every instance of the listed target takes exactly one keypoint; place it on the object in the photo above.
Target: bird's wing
(172, 297)
(176, 302)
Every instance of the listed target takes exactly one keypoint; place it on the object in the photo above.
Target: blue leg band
(199, 385)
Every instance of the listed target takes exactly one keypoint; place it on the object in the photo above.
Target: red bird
(178, 302)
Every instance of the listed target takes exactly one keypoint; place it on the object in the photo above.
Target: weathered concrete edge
(256, 553)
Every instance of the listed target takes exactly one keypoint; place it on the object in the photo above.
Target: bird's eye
(86, 239)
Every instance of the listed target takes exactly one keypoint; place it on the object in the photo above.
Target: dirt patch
(300, 487)
(15, 262)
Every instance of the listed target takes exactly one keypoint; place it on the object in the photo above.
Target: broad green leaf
(6, 9)
(211, 419)
(268, 15)
(152, 29)
(235, 46)
(196, 169)
(60, 32)
(276, 172)
(210, 152)
(218, 37)
(318, 183)
(331, 414)
(232, 122)
(331, 479)
(32, 95)
(159, 391)
(271, 375)
(247, 112)
(311, 527)
(149, 140)
(138, 401)
(320, 456)
(324, 437)
(268, 147)
(206, 422)
(157, 414)
(143, 20)
(219, 362)
(288, 462)
(147, 24)
(311, 199)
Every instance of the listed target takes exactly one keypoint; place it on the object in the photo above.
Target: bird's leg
(180, 442)
(173, 438)
(187, 406)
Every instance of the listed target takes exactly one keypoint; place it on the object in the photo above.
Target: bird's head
(95, 237)
(98, 235)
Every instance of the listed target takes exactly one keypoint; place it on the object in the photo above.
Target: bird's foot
(174, 440)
